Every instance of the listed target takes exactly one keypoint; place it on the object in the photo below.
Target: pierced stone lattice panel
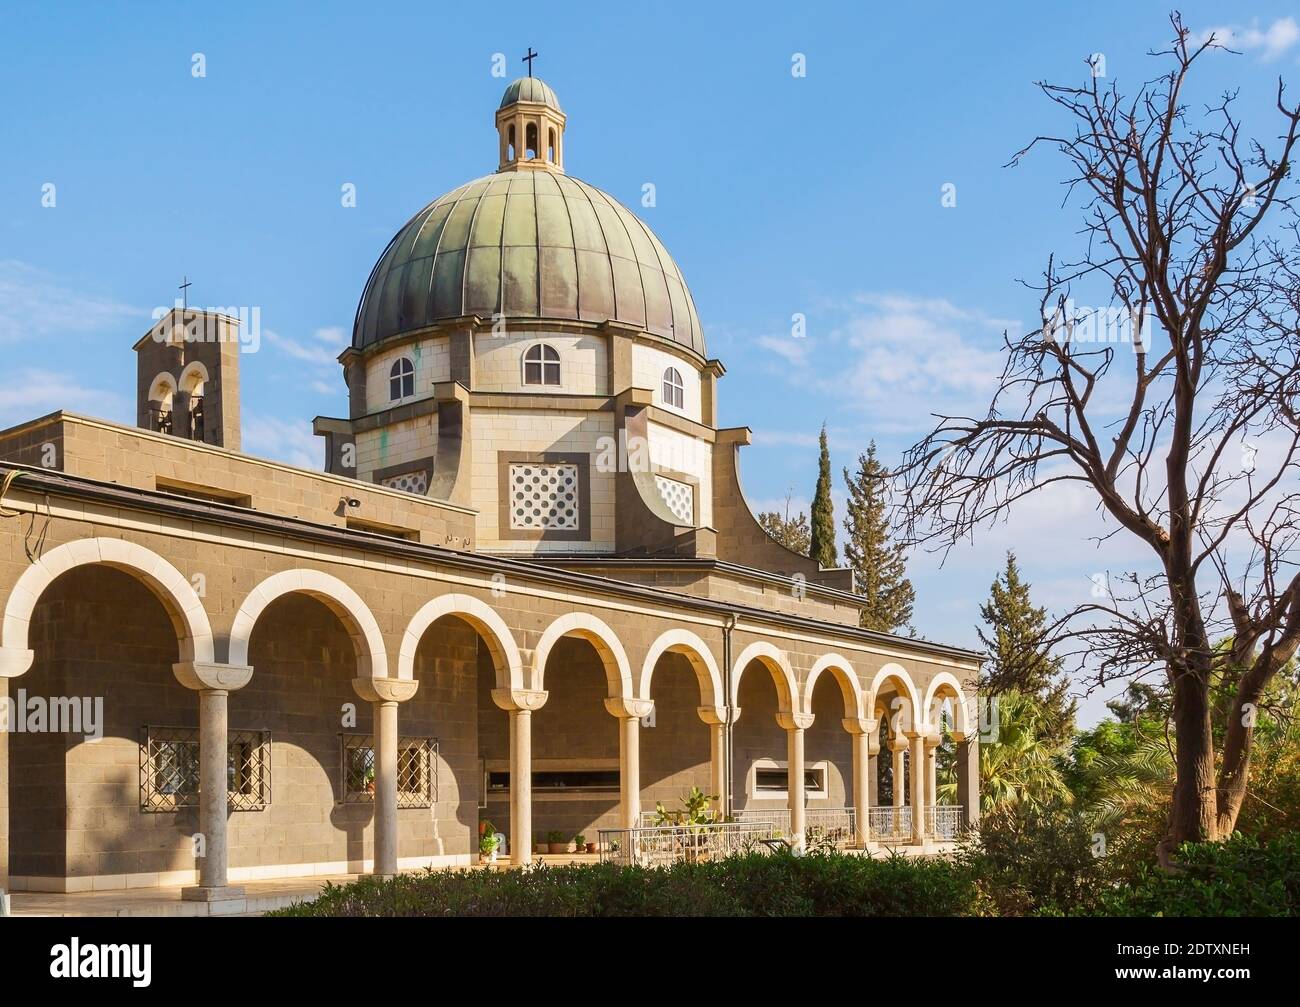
(679, 496)
(544, 497)
(409, 482)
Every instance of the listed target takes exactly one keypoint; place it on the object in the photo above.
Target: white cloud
(33, 392)
(34, 305)
(894, 357)
(1270, 42)
(322, 349)
(289, 441)
(791, 350)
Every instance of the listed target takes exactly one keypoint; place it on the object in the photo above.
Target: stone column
(385, 694)
(13, 662)
(629, 712)
(932, 770)
(873, 771)
(917, 773)
(214, 683)
(520, 704)
(795, 724)
(897, 746)
(860, 731)
(968, 779)
(716, 719)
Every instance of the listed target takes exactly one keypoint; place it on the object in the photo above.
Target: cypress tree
(879, 566)
(822, 546)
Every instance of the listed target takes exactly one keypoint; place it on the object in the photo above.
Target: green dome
(530, 89)
(526, 244)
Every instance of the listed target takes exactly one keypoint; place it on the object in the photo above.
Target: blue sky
(778, 195)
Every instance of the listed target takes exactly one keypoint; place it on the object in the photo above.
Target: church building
(526, 590)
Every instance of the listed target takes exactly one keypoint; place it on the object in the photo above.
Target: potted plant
(368, 779)
(579, 843)
(591, 847)
(488, 841)
(556, 843)
(541, 844)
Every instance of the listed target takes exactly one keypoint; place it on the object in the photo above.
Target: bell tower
(530, 127)
(187, 377)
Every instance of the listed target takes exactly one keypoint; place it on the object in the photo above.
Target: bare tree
(1189, 446)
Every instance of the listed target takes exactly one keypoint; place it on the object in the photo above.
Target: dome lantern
(530, 127)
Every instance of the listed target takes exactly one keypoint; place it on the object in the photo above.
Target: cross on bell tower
(529, 59)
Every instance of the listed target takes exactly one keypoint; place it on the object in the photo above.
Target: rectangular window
(769, 781)
(417, 770)
(561, 781)
(169, 769)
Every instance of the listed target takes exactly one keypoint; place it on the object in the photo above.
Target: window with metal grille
(169, 769)
(417, 770)
(542, 365)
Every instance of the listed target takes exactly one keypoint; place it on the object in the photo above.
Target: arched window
(401, 379)
(510, 143)
(550, 153)
(674, 393)
(541, 365)
(531, 146)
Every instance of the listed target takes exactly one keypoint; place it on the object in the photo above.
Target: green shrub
(751, 885)
(1038, 861)
(1239, 877)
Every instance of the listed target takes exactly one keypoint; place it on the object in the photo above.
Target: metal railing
(890, 824)
(670, 844)
(944, 822)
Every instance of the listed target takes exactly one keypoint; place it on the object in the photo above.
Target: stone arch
(486, 622)
(178, 597)
(904, 686)
(777, 664)
(194, 376)
(618, 672)
(945, 685)
(163, 388)
(696, 651)
(372, 659)
(845, 677)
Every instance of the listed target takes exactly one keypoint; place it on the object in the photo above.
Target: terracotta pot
(556, 849)
(591, 847)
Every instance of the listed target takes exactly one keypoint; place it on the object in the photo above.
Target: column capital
(14, 661)
(898, 744)
(932, 739)
(861, 725)
(385, 690)
(629, 708)
(519, 699)
(204, 675)
(712, 715)
(792, 721)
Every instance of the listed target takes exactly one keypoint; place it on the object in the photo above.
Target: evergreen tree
(822, 546)
(793, 533)
(1018, 658)
(878, 564)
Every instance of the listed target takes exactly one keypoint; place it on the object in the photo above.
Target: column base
(197, 893)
